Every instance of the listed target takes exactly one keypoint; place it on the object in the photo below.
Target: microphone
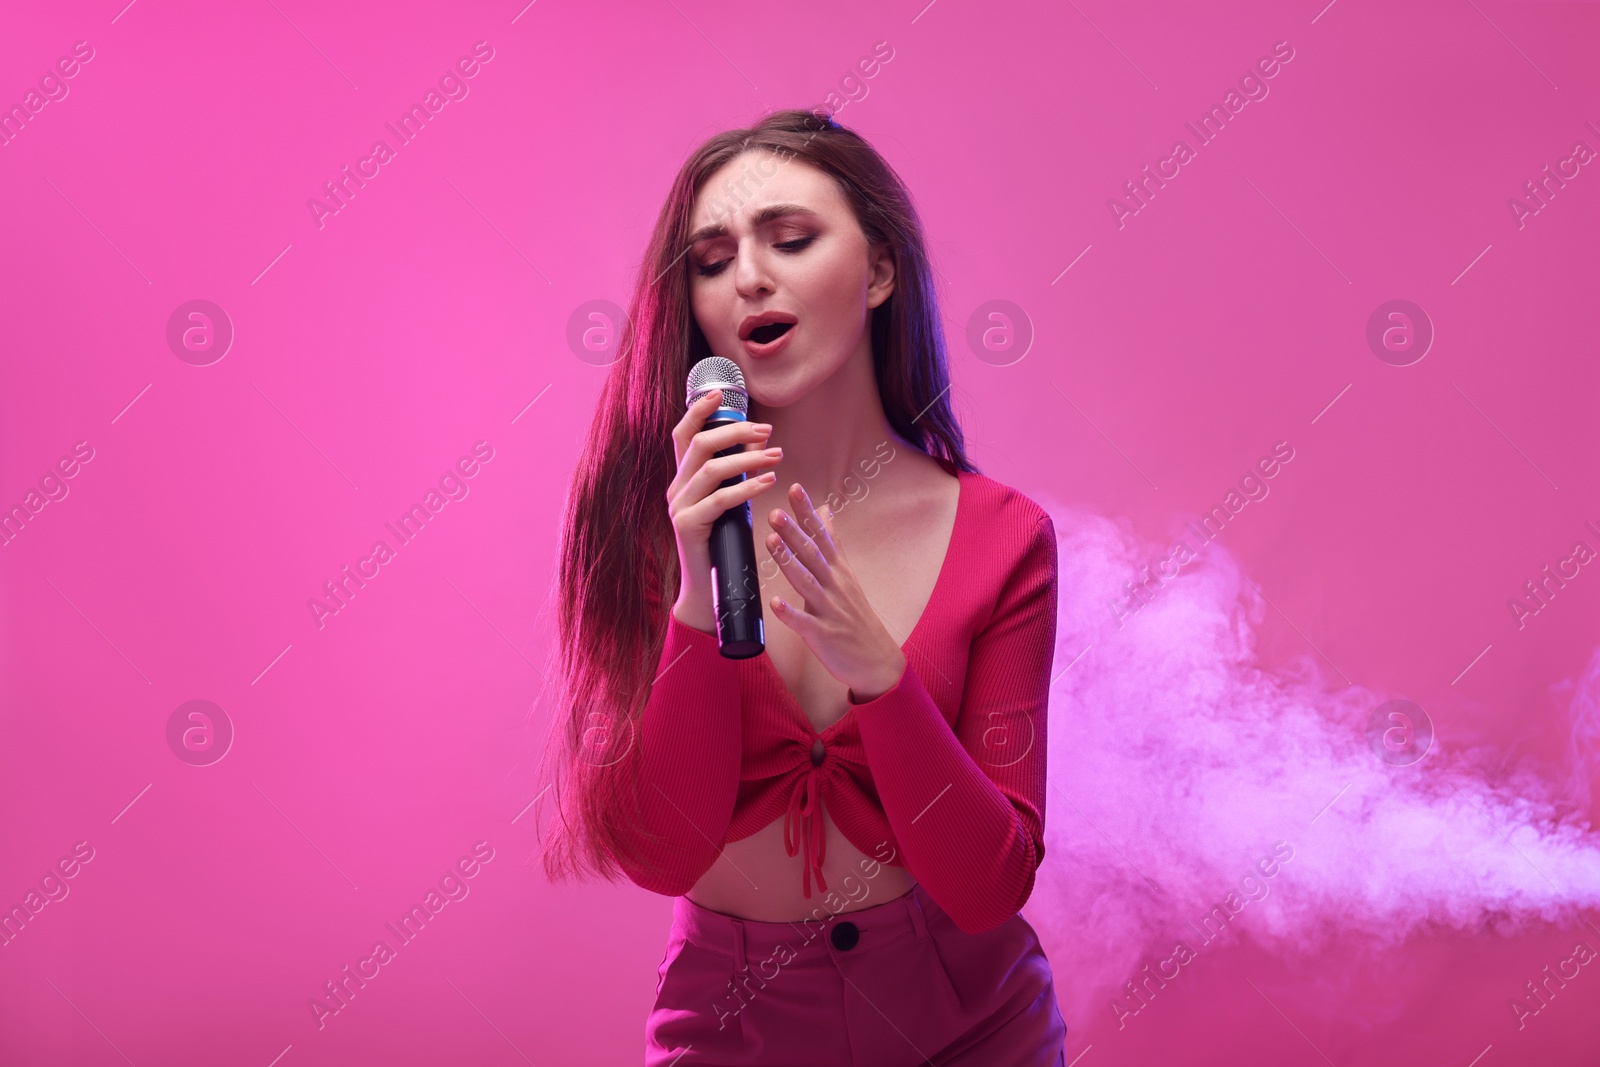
(735, 583)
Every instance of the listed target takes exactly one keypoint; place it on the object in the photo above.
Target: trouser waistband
(748, 941)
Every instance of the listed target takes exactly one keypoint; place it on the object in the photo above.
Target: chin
(779, 390)
(785, 379)
(772, 399)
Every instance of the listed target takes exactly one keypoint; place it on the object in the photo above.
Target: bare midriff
(756, 878)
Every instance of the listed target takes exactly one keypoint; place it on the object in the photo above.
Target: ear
(880, 273)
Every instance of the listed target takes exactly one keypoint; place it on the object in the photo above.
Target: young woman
(888, 746)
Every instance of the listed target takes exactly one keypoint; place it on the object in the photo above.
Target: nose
(751, 276)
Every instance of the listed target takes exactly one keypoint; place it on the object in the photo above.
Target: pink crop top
(947, 769)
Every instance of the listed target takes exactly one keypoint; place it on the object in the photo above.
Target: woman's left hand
(837, 624)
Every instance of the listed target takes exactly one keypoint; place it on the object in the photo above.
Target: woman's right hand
(695, 499)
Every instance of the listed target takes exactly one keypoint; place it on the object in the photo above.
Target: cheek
(836, 300)
(710, 312)
(838, 279)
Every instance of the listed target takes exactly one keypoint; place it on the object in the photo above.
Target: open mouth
(770, 332)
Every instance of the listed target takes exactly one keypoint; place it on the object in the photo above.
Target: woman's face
(791, 250)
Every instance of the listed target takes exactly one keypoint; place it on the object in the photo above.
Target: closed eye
(791, 247)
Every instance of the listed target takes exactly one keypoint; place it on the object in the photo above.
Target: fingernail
(774, 452)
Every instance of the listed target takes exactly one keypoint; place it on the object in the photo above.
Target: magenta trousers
(896, 983)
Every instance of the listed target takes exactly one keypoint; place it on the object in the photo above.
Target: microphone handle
(735, 582)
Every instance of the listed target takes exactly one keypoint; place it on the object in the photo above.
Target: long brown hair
(618, 572)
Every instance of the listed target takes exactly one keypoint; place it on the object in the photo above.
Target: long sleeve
(688, 754)
(967, 802)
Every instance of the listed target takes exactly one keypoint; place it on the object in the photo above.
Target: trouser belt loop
(739, 964)
(914, 906)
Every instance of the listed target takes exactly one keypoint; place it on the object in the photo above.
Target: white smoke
(1176, 763)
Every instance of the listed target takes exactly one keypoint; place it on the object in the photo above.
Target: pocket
(944, 991)
(704, 980)
(695, 1005)
(669, 956)
(685, 969)
(994, 973)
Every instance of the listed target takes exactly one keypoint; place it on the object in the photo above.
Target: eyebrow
(761, 218)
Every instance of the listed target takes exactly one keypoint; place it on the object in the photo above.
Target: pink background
(371, 352)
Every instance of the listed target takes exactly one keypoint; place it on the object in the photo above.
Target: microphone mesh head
(715, 372)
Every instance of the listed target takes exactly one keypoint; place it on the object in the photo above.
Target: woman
(889, 743)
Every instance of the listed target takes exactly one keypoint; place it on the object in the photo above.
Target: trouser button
(845, 935)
